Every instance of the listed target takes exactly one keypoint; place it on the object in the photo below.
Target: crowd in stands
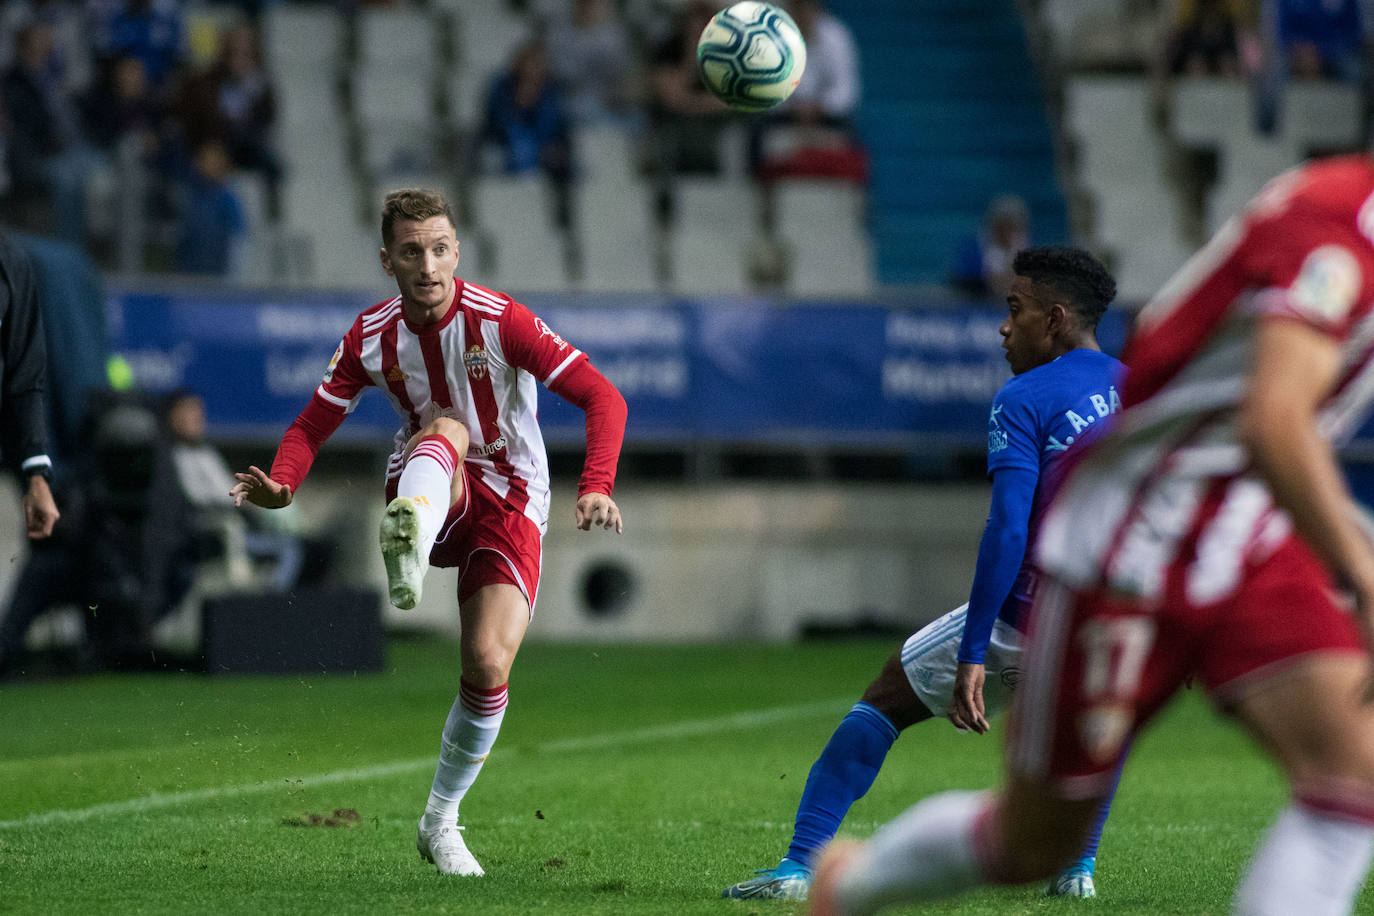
(102, 97)
(108, 105)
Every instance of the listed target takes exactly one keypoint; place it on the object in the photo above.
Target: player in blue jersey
(965, 664)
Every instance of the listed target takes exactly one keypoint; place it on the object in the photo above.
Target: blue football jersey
(1036, 417)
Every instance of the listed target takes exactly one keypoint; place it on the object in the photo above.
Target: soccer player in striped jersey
(965, 664)
(1206, 536)
(468, 479)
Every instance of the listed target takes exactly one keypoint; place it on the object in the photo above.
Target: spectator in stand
(1311, 40)
(1211, 38)
(1321, 39)
(46, 156)
(120, 106)
(233, 103)
(982, 263)
(151, 30)
(591, 59)
(127, 130)
(819, 115)
(685, 119)
(525, 123)
(212, 220)
(71, 62)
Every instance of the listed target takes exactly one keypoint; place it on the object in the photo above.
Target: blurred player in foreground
(966, 663)
(468, 481)
(1204, 536)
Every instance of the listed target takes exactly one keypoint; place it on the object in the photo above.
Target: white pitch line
(363, 774)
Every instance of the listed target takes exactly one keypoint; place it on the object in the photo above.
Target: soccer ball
(751, 55)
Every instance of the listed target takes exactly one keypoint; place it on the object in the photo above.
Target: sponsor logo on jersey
(545, 330)
(334, 361)
(396, 374)
(475, 361)
(491, 448)
(1327, 284)
(997, 436)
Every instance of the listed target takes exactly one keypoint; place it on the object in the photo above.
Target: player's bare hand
(597, 510)
(260, 490)
(966, 708)
(40, 510)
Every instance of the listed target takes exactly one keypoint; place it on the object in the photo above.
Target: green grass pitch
(626, 780)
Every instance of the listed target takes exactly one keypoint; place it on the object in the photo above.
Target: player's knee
(891, 694)
(452, 430)
(488, 664)
(1344, 758)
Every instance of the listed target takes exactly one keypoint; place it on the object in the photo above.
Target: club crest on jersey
(544, 329)
(997, 436)
(475, 361)
(334, 361)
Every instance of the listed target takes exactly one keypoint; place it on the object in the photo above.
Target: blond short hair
(418, 204)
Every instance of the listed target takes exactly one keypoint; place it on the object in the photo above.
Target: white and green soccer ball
(751, 55)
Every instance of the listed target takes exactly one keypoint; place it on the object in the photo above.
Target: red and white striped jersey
(1172, 471)
(480, 364)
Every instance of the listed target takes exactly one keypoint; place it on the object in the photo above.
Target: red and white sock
(469, 733)
(1313, 860)
(931, 851)
(428, 479)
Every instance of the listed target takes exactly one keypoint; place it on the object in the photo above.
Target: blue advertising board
(747, 371)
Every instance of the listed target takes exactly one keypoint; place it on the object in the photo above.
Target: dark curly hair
(1075, 278)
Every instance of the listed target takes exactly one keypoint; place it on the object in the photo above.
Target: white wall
(731, 561)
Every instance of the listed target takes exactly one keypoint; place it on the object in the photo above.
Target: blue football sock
(840, 777)
(1089, 851)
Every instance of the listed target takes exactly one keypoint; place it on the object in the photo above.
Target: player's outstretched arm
(260, 490)
(599, 510)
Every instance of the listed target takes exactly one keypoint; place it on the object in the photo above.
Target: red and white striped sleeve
(334, 399)
(532, 345)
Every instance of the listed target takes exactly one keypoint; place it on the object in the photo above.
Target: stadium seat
(254, 265)
(1121, 168)
(616, 236)
(604, 154)
(822, 225)
(1209, 112)
(516, 217)
(302, 39)
(483, 34)
(402, 40)
(1322, 116)
(715, 228)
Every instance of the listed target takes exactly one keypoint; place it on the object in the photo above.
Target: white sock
(469, 733)
(925, 854)
(428, 478)
(1311, 863)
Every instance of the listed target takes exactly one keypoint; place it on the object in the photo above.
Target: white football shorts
(930, 658)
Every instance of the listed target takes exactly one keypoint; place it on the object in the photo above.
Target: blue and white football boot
(1074, 881)
(788, 881)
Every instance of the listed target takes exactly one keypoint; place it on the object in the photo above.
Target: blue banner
(915, 374)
